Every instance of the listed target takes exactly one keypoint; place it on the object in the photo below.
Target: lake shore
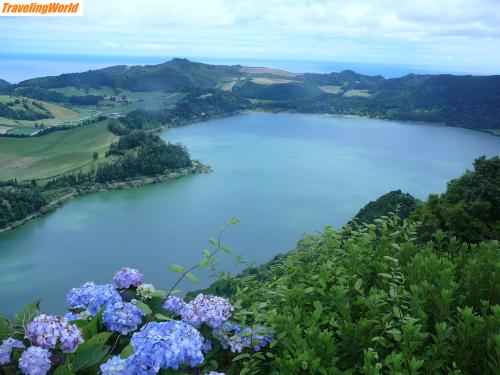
(196, 168)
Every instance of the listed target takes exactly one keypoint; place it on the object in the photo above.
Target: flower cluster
(174, 304)
(166, 345)
(114, 366)
(127, 277)
(123, 317)
(233, 337)
(84, 315)
(92, 297)
(145, 291)
(35, 361)
(6, 349)
(212, 310)
(46, 330)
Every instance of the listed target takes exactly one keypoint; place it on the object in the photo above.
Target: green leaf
(64, 369)
(27, 314)
(99, 339)
(397, 311)
(244, 371)
(192, 278)
(90, 356)
(204, 263)
(226, 249)
(162, 317)
(233, 221)
(143, 307)
(357, 284)
(385, 275)
(127, 352)
(159, 293)
(176, 268)
(241, 356)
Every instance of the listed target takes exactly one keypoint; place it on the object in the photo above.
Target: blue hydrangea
(165, 345)
(207, 346)
(92, 297)
(46, 331)
(174, 304)
(6, 349)
(115, 366)
(123, 317)
(35, 361)
(257, 337)
(127, 277)
(212, 310)
(232, 337)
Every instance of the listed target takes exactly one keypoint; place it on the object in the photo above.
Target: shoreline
(196, 168)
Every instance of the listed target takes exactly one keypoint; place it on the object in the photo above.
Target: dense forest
(18, 202)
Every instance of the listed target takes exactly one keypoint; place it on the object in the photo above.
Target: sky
(445, 35)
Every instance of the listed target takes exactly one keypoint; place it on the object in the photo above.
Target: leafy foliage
(470, 207)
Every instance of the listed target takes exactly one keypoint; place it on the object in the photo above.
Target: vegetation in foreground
(387, 297)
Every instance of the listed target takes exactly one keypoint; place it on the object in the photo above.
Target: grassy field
(61, 115)
(58, 152)
(270, 81)
(358, 93)
(331, 89)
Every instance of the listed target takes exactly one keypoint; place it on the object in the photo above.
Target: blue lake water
(282, 175)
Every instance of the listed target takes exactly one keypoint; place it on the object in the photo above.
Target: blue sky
(458, 35)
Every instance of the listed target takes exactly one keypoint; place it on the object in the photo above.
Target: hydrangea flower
(127, 277)
(145, 291)
(232, 337)
(114, 366)
(207, 346)
(260, 334)
(35, 361)
(165, 345)
(211, 310)
(174, 304)
(6, 349)
(46, 330)
(123, 317)
(92, 297)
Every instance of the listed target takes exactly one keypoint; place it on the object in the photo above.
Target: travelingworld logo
(16, 8)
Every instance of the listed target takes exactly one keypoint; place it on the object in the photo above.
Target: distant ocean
(15, 68)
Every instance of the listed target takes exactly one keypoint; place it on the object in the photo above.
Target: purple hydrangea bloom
(46, 330)
(92, 297)
(236, 339)
(123, 317)
(165, 345)
(174, 304)
(127, 277)
(260, 334)
(6, 349)
(35, 361)
(115, 366)
(212, 310)
(207, 346)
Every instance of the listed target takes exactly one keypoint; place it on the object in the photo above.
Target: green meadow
(52, 154)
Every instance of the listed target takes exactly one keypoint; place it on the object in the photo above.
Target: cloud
(444, 33)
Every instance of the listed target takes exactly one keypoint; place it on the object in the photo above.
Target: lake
(281, 175)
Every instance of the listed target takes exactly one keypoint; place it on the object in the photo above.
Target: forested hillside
(465, 101)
